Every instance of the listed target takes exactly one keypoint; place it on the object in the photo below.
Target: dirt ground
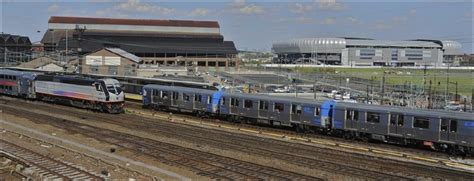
(78, 156)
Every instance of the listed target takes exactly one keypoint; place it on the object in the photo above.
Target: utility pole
(66, 46)
(367, 98)
(382, 89)
(447, 86)
(429, 97)
(456, 96)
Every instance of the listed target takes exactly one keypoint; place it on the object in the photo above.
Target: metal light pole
(447, 86)
(66, 47)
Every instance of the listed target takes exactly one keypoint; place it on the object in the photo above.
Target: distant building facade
(365, 52)
(14, 49)
(182, 42)
(109, 61)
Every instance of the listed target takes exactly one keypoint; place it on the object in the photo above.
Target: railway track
(202, 163)
(290, 132)
(43, 167)
(307, 156)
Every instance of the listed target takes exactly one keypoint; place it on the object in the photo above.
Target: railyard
(236, 90)
(200, 151)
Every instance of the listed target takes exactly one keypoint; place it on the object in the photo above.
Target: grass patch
(401, 76)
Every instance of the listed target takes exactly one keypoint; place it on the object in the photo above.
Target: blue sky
(254, 25)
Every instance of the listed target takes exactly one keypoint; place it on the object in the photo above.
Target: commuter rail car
(97, 94)
(440, 130)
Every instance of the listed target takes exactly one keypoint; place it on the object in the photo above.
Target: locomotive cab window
(248, 103)
(420, 122)
(278, 107)
(263, 105)
(295, 109)
(373, 117)
(98, 87)
(111, 89)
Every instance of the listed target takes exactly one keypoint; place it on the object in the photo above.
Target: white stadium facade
(366, 52)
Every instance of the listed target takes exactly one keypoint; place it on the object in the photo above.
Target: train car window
(208, 99)
(317, 111)
(248, 103)
(164, 94)
(278, 107)
(393, 119)
(454, 126)
(111, 89)
(295, 109)
(263, 105)
(199, 98)
(185, 97)
(420, 122)
(1, 76)
(223, 101)
(14, 78)
(373, 117)
(175, 95)
(234, 102)
(444, 125)
(348, 115)
(355, 117)
(400, 120)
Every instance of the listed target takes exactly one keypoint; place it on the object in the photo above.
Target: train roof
(275, 98)
(188, 89)
(69, 79)
(18, 73)
(406, 110)
(10, 72)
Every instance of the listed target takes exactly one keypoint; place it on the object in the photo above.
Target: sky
(255, 25)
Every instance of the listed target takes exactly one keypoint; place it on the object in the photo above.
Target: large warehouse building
(154, 41)
(366, 52)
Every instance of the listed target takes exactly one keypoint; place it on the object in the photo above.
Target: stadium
(366, 52)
